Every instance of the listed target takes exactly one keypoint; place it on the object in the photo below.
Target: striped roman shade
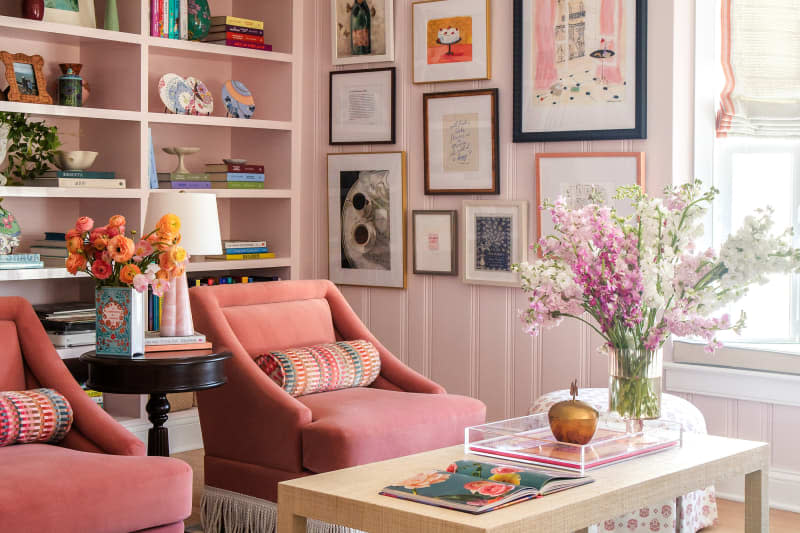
(761, 66)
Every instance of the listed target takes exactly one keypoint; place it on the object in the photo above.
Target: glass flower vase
(120, 321)
(634, 385)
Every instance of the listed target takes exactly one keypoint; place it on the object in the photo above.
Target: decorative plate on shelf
(175, 92)
(199, 19)
(201, 103)
(238, 100)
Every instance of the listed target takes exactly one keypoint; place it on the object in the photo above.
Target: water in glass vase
(634, 385)
(360, 27)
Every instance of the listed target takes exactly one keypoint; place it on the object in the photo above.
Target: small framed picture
(362, 31)
(366, 219)
(583, 178)
(77, 12)
(435, 237)
(26, 81)
(461, 142)
(362, 106)
(495, 237)
(585, 80)
(452, 40)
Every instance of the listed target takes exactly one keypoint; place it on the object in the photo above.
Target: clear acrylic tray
(528, 439)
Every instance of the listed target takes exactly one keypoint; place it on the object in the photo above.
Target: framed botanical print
(362, 32)
(584, 178)
(495, 238)
(580, 70)
(366, 219)
(435, 238)
(362, 106)
(77, 12)
(451, 40)
(26, 81)
(461, 142)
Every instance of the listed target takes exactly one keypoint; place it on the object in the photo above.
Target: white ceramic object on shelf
(181, 151)
(74, 159)
(5, 129)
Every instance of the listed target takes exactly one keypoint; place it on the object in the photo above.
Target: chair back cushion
(12, 369)
(321, 368)
(38, 415)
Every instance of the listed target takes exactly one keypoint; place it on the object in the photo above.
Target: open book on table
(477, 487)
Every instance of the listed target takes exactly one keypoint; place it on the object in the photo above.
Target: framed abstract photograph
(362, 31)
(495, 237)
(76, 12)
(362, 106)
(366, 219)
(580, 70)
(461, 142)
(583, 178)
(435, 238)
(452, 40)
(26, 81)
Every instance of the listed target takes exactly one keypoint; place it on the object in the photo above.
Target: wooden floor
(731, 514)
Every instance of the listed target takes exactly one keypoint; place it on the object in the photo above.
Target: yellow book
(240, 257)
(236, 21)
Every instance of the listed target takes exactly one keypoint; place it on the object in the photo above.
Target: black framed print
(362, 106)
(580, 70)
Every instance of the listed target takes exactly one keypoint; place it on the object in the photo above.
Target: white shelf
(66, 30)
(225, 122)
(69, 192)
(242, 193)
(26, 274)
(212, 266)
(46, 110)
(209, 48)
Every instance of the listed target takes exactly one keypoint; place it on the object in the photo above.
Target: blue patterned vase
(120, 321)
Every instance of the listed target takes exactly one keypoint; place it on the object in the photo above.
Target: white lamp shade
(200, 233)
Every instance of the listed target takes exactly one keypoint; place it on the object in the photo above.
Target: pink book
(154, 17)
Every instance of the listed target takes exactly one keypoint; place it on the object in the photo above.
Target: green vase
(199, 19)
(112, 16)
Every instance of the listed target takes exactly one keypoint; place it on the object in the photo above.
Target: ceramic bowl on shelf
(74, 159)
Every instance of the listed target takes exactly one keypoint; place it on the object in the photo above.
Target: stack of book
(243, 250)
(20, 261)
(52, 250)
(169, 19)
(239, 32)
(153, 342)
(78, 179)
(220, 176)
(229, 280)
(69, 325)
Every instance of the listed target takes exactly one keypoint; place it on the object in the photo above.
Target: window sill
(770, 358)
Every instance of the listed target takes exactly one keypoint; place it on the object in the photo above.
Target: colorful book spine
(164, 20)
(152, 172)
(235, 251)
(91, 183)
(236, 29)
(171, 21)
(20, 266)
(20, 258)
(183, 20)
(244, 244)
(245, 185)
(180, 176)
(154, 8)
(54, 236)
(241, 257)
(85, 174)
(245, 176)
(236, 21)
(186, 184)
(256, 169)
(234, 36)
(252, 46)
(177, 347)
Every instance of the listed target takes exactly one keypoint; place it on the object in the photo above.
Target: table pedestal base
(158, 436)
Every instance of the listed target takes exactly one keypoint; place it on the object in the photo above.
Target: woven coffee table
(350, 497)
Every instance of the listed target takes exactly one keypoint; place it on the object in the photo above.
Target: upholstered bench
(697, 509)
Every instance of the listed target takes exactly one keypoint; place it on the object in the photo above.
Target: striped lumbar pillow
(38, 415)
(321, 368)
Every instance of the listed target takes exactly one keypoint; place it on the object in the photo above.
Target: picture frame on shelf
(451, 40)
(495, 238)
(575, 83)
(75, 12)
(435, 238)
(366, 219)
(462, 142)
(362, 106)
(581, 178)
(25, 78)
(362, 31)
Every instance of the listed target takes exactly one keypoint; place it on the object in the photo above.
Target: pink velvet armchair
(256, 435)
(96, 480)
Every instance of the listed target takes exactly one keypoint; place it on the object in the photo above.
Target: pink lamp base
(176, 313)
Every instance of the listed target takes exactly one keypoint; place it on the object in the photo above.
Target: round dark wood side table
(157, 374)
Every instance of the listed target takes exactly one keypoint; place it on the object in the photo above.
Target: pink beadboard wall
(468, 337)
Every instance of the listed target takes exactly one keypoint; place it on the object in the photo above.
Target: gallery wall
(468, 337)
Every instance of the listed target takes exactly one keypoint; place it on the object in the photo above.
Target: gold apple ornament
(572, 420)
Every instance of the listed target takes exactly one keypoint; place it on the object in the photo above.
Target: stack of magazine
(69, 325)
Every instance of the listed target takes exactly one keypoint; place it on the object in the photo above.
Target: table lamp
(200, 235)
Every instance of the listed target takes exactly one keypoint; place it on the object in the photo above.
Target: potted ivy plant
(31, 147)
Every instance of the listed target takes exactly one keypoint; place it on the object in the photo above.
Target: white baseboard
(184, 430)
(784, 490)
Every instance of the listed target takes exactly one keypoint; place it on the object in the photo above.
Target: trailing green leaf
(31, 147)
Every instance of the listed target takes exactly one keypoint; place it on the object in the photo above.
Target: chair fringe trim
(224, 511)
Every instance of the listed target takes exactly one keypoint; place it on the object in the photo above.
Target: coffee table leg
(158, 436)
(756, 502)
(288, 522)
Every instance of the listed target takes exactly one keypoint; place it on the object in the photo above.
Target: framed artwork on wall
(435, 238)
(583, 178)
(362, 106)
(461, 142)
(580, 70)
(366, 219)
(26, 81)
(451, 40)
(495, 237)
(76, 12)
(362, 31)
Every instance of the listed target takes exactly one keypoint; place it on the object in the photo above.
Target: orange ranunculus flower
(84, 224)
(75, 245)
(129, 272)
(121, 248)
(169, 224)
(180, 270)
(72, 233)
(178, 254)
(101, 242)
(117, 221)
(166, 263)
(162, 275)
(75, 262)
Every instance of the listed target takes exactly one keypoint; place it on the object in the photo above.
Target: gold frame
(488, 45)
(37, 62)
(404, 172)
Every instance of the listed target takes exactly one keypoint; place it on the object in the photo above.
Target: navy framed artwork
(580, 70)
(495, 238)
